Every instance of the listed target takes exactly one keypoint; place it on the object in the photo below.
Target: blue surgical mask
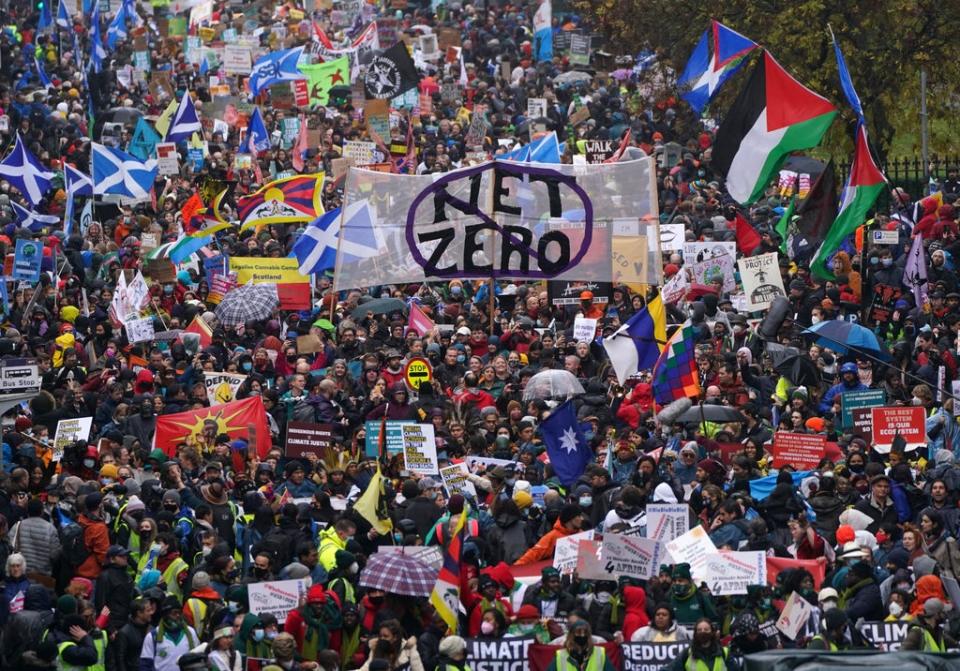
(887, 262)
(258, 634)
(586, 501)
(461, 358)
(247, 366)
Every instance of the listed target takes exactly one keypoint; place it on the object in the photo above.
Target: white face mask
(815, 319)
(206, 550)
(917, 401)
(354, 568)
(895, 609)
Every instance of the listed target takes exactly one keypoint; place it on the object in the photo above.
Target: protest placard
(305, 438)
(850, 400)
(794, 616)
(695, 252)
(631, 555)
(361, 152)
(909, 422)
(420, 449)
(802, 451)
(68, 432)
(590, 564)
(693, 547)
(429, 47)
(650, 656)
(887, 636)
(579, 49)
(276, 597)
(139, 330)
(717, 268)
(667, 521)
(455, 480)
(584, 329)
(222, 387)
(761, 280)
(27, 259)
(671, 237)
(567, 549)
(394, 437)
(236, 60)
(536, 108)
(503, 654)
(598, 151)
(728, 573)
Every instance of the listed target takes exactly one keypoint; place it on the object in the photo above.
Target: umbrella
(710, 413)
(379, 306)
(552, 384)
(794, 365)
(621, 74)
(842, 337)
(572, 78)
(250, 302)
(398, 573)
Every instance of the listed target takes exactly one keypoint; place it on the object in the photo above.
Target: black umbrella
(379, 306)
(711, 413)
(796, 366)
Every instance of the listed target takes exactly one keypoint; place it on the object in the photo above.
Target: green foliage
(885, 43)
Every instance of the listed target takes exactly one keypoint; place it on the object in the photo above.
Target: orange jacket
(545, 546)
(97, 539)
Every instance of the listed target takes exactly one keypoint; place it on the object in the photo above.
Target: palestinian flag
(860, 193)
(773, 116)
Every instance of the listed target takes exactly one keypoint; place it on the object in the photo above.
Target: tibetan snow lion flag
(199, 428)
(290, 200)
(773, 116)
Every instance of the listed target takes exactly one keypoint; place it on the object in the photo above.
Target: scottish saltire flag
(118, 172)
(718, 54)
(543, 150)
(445, 596)
(97, 52)
(567, 447)
(277, 66)
(117, 30)
(185, 120)
(675, 375)
(46, 16)
(63, 17)
(75, 183)
(259, 138)
(25, 173)
(34, 221)
(41, 73)
(543, 31)
(635, 346)
(316, 248)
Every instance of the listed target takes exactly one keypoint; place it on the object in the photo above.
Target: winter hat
(664, 494)
(899, 557)
(109, 471)
(67, 605)
(845, 534)
(201, 579)
(134, 504)
(455, 504)
(344, 559)
(316, 594)
(523, 500)
(682, 571)
(569, 512)
(452, 645)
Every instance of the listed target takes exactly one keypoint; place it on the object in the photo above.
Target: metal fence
(908, 173)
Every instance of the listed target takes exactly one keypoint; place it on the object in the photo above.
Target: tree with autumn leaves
(885, 41)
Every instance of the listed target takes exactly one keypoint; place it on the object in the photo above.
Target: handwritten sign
(567, 551)
(667, 521)
(693, 547)
(584, 329)
(455, 480)
(276, 597)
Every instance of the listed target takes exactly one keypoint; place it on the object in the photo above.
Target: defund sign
(463, 249)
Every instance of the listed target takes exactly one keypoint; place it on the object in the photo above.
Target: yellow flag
(372, 506)
(163, 121)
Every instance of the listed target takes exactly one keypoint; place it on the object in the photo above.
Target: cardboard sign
(276, 597)
(160, 270)
(728, 573)
(68, 432)
(908, 421)
(761, 279)
(222, 387)
(598, 151)
(671, 237)
(693, 547)
(568, 549)
(168, 160)
(455, 480)
(796, 612)
(803, 451)
(139, 330)
(305, 438)
(420, 449)
(584, 329)
(307, 344)
(631, 556)
(850, 400)
(667, 521)
(446, 37)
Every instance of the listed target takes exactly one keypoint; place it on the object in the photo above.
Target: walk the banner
(293, 289)
(222, 387)
(200, 427)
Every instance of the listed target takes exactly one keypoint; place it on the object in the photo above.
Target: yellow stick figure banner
(222, 387)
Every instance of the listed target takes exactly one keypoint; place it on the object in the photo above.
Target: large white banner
(502, 219)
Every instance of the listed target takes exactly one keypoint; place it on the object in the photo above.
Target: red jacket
(477, 398)
(635, 615)
(97, 539)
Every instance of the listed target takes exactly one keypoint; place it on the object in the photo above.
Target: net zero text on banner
(420, 449)
(277, 597)
(499, 219)
(505, 654)
(222, 387)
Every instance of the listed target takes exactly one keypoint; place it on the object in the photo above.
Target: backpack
(74, 546)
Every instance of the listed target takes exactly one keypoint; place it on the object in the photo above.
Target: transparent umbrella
(552, 384)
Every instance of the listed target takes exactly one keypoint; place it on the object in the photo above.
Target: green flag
(321, 77)
(783, 226)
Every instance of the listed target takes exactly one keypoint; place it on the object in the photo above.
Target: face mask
(354, 568)
(398, 538)
(167, 289)
(511, 482)
(702, 639)
(815, 320)
(766, 604)
(271, 635)
(233, 573)
(486, 627)
(260, 572)
(895, 609)
(247, 366)
(146, 412)
(258, 634)
(110, 352)
(887, 263)
(291, 358)
(205, 551)
(106, 481)
(376, 600)
(874, 260)
(89, 463)
(581, 640)
(461, 358)
(916, 401)
(603, 597)
(680, 590)
(172, 625)
(172, 507)
(526, 628)
(585, 501)
(233, 606)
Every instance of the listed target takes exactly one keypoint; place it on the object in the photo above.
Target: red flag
(301, 146)
(321, 36)
(419, 321)
(202, 329)
(232, 418)
(817, 568)
(747, 238)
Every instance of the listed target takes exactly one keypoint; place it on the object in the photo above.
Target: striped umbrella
(398, 573)
(250, 302)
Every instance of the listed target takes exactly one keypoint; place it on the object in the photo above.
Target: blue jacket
(826, 403)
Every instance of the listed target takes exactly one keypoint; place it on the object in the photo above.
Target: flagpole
(338, 261)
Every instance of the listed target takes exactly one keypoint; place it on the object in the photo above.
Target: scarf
(349, 644)
(316, 636)
(615, 601)
(850, 591)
